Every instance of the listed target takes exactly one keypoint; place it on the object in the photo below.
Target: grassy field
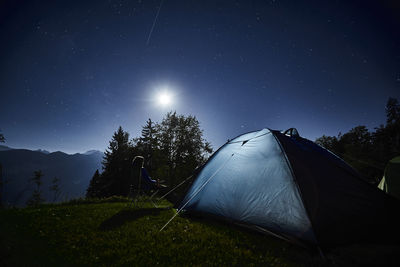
(114, 234)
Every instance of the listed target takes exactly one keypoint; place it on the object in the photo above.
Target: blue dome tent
(286, 185)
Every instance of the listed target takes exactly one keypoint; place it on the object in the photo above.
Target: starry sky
(71, 72)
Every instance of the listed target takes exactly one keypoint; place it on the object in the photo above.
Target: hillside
(74, 172)
(114, 234)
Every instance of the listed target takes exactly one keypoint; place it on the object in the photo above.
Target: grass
(101, 233)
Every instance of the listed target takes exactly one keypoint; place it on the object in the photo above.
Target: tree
(328, 142)
(94, 190)
(36, 197)
(368, 152)
(392, 111)
(393, 126)
(148, 146)
(116, 176)
(172, 150)
(182, 146)
(357, 141)
(55, 188)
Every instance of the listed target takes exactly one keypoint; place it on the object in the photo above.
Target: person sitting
(156, 184)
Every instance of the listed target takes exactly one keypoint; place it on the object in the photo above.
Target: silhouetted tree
(148, 146)
(392, 111)
(182, 146)
(55, 188)
(36, 197)
(94, 187)
(329, 142)
(172, 150)
(116, 176)
(393, 126)
(368, 152)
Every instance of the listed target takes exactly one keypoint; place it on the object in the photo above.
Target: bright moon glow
(164, 99)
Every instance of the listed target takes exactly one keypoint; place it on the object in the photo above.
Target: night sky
(73, 71)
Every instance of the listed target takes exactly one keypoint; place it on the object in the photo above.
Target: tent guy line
(290, 186)
(197, 191)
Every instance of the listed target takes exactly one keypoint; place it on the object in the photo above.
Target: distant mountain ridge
(89, 152)
(5, 148)
(74, 172)
(43, 151)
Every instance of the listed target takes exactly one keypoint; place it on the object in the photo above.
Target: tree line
(174, 147)
(172, 150)
(369, 151)
(36, 198)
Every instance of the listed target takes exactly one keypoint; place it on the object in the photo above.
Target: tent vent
(292, 132)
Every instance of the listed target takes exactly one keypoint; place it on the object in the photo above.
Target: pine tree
(392, 111)
(116, 176)
(393, 126)
(94, 190)
(147, 145)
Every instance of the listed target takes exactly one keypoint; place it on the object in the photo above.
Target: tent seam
(240, 141)
(197, 171)
(297, 185)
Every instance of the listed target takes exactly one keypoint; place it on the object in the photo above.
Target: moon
(164, 98)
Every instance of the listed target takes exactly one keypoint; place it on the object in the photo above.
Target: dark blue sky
(73, 71)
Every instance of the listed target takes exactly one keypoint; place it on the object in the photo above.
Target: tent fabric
(390, 182)
(342, 207)
(292, 187)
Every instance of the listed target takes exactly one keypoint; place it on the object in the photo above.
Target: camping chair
(151, 186)
(146, 185)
